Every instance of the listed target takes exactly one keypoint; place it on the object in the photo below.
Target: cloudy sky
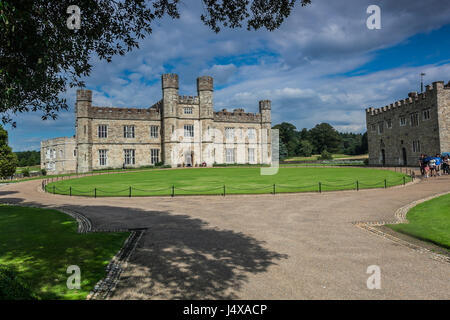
(322, 65)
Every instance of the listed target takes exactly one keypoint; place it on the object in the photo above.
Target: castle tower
(83, 131)
(205, 89)
(169, 84)
(266, 133)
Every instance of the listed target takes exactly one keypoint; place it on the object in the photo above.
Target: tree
(28, 158)
(325, 137)
(288, 135)
(283, 151)
(8, 160)
(364, 144)
(40, 56)
(305, 148)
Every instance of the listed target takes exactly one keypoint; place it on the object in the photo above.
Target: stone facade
(177, 131)
(59, 155)
(400, 132)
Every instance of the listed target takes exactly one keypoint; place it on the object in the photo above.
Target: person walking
(422, 164)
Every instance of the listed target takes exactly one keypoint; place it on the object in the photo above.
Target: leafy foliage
(28, 158)
(40, 56)
(8, 160)
(325, 155)
(322, 137)
(12, 287)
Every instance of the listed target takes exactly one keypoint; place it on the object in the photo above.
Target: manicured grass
(236, 180)
(31, 168)
(41, 243)
(429, 221)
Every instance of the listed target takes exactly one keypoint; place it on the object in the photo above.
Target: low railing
(221, 189)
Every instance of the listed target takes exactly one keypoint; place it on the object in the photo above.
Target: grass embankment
(236, 181)
(39, 244)
(429, 221)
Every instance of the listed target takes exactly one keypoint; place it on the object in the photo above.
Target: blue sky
(322, 65)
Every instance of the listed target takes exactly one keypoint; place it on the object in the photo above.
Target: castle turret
(205, 94)
(83, 131)
(266, 134)
(265, 110)
(205, 87)
(169, 84)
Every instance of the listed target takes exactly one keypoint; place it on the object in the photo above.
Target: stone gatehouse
(400, 132)
(176, 131)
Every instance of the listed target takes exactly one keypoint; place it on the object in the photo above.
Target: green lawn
(429, 221)
(40, 244)
(31, 168)
(236, 180)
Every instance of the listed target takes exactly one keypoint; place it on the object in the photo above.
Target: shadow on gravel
(180, 257)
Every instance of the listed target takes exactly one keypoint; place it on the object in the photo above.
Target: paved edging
(400, 217)
(104, 288)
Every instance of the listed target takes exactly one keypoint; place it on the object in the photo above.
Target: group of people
(433, 166)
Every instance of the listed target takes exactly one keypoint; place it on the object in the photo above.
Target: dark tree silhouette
(40, 56)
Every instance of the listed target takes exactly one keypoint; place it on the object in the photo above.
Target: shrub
(26, 172)
(43, 172)
(12, 287)
(326, 155)
(366, 162)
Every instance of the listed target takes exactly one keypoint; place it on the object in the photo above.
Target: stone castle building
(176, 131)
(400, 132)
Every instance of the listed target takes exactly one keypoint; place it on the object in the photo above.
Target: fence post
(274, 188)
(95, 192)
(224, 190)
(173, 190)
(357, 185)
(404, 180)
(53, 189)
(70, 191)
(385, 183)
(130, 193)
(320, 187)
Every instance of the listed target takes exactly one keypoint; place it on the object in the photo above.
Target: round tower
(83, 131)
(169, 83)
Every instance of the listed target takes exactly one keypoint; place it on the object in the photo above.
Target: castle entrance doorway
(405, 159)
(188, 158)
(383, 157)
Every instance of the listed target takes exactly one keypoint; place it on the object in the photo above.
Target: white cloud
(295, 66)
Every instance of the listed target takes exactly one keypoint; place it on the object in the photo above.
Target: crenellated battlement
(237, 115)
(413, 98)
(124, 113)
(205, 83)
(188, 99)
(84, 95)
(169, 80)
(265, 105)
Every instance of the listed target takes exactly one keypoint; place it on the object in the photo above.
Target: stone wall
(170, 114)
(392, 136)
(58, 155)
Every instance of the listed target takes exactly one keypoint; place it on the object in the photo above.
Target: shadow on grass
(180, 257)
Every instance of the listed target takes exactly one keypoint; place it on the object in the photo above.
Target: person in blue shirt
(438, 164)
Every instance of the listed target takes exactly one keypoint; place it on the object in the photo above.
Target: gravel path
(287, 246)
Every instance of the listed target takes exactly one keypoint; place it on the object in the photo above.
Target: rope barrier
(171, 189)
